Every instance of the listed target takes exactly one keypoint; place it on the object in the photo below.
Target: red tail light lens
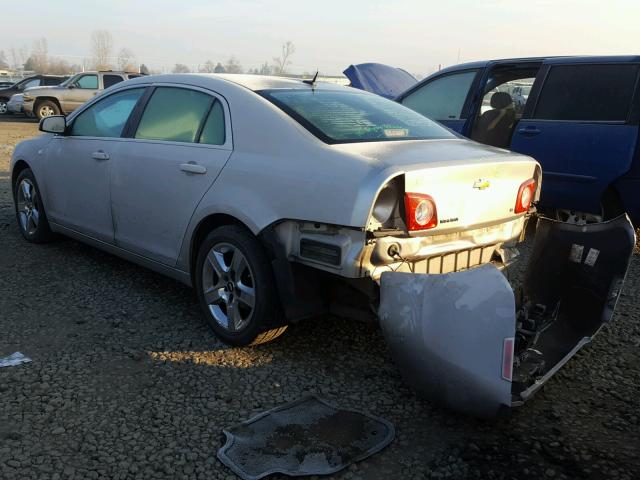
(525, 196)
(420, 211)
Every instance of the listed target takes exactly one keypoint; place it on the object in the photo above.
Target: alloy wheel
(228, 287)
(28, 206)
(46, 111)
(3, 107)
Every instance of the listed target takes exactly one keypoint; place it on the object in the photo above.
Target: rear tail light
(507, 358)
(420, 210)
(525, 196)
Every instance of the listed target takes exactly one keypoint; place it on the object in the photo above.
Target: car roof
(250, 82)
(550, 59)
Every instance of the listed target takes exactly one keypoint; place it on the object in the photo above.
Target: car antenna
(312, 82)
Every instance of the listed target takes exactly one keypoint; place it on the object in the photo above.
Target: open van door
(579, 124)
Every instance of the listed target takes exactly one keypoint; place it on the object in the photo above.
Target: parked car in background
(4, 83)
(578, 116)
(15, 104)
(69, 95)
(29, 82)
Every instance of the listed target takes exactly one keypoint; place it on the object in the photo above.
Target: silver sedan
(264, 193)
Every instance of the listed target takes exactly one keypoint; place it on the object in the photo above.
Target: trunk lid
(471, 195)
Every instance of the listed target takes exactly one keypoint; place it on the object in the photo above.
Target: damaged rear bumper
(466, 340)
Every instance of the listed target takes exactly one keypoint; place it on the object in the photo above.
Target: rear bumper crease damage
(447, 332)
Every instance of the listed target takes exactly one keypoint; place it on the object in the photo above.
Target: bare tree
(181, 68)
(126, 60)
(101, 46)
(18, 57)
(3, 60)
(59, 67)
(40, 56)
(281, 62)
(208, 67)
(265, 69)
(233, 65)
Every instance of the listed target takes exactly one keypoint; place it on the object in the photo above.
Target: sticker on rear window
(396, 132)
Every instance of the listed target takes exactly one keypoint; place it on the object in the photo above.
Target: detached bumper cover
(447, 333)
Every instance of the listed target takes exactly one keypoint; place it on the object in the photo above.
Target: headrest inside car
(501, 100)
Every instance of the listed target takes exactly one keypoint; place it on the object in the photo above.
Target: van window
(442, 98)
(587, 93)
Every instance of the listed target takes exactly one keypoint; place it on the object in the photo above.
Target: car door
(81, 90)
(78, 166)
(579, 125)
(177, 149)
(445, 98)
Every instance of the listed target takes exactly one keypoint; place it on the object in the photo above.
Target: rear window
(587, 93)
(349, 116)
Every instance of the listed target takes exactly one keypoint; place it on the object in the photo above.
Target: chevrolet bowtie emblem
(481, 184)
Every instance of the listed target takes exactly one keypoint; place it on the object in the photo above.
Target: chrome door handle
(192, 168)
(100, 155)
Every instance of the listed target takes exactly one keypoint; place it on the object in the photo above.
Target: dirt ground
(128, 382)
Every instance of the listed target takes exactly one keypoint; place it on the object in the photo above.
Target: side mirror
(53, 124)
(73, 85)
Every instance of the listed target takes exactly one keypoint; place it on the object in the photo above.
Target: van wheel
(46, 108)
(236, 288)
(32, 219)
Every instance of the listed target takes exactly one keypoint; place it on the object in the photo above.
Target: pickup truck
(69, 95)
(578, 116)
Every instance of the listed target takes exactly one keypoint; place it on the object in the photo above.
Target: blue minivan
(578, 116)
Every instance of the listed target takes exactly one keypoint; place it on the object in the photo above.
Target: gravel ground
(128, 382)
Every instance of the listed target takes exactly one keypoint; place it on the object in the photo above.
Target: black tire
(44, 105)
(38, 231)
(265, 322)
(3, 107)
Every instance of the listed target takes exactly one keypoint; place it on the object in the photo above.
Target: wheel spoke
(238, 264)
(26, 191)
(233, 316)
(212, 295)
(246, 294)
(30, 222)
(23, 220)
(216, 260)
(35, 216)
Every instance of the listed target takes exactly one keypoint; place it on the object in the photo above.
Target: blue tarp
(380, 79)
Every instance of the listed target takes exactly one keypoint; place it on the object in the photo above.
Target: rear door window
(587, 93)
(108, 117)
(442, 98)
(109, 80)
(174, 114)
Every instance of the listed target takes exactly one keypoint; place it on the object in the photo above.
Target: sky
(329, 35)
